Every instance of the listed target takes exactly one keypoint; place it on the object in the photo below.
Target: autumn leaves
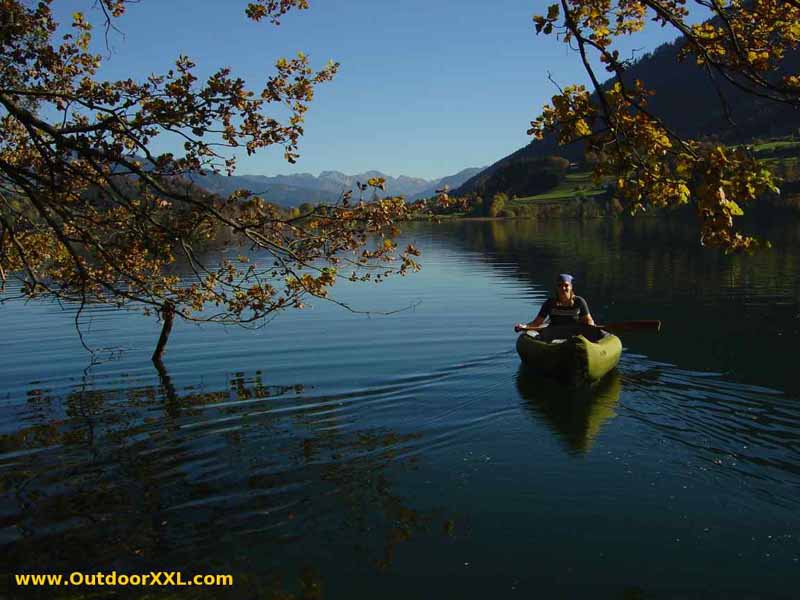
(645, 161)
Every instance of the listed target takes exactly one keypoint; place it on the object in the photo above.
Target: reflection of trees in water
(641, 254)
(730, 314)
(252, 478)
(574, 415)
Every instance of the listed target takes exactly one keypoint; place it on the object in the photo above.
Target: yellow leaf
(581, 128)
(683, 193)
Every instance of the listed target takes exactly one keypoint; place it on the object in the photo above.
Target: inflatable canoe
(571, 357)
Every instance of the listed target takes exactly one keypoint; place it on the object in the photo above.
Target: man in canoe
(571, 348)
(565, 309)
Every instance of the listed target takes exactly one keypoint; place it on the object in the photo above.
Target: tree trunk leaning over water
(168, 314)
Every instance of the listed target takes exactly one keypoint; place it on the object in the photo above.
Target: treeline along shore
(554, 188)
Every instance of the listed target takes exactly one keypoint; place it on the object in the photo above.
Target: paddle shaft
(650, 325)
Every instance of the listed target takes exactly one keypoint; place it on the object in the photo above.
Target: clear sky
(426, 87)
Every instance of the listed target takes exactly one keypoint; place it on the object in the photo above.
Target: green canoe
(574, 358)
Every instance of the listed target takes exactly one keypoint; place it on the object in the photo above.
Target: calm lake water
(336, 455)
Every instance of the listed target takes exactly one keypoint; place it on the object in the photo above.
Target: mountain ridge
(327, 187)
(688, 102)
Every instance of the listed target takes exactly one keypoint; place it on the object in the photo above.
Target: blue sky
(426, 88)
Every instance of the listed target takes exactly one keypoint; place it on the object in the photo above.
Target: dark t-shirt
(564, 315)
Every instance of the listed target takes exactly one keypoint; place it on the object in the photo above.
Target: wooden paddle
(622, 326)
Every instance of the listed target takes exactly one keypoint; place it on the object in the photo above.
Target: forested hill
(688, 102)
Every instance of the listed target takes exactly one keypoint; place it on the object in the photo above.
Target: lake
(342, 455)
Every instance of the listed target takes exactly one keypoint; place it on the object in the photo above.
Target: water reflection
(153, 476)
(575, 415)
(717, 309)
(328, 469)
(748, 433)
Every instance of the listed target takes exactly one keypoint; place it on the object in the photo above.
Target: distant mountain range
(294, 190)
(687, 101)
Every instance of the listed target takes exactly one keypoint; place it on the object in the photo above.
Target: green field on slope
(775, 154)
(574, 184)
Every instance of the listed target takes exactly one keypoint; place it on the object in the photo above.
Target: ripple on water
(243, 455)
(752, 431)
(302, 441)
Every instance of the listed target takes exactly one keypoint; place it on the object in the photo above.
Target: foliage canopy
(88, 213)
(742, 44)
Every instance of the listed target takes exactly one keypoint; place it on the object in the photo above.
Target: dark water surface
(339, 456)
